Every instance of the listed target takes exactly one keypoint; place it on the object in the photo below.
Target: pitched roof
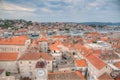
(117, 64)
(95, 60)
(1, 71)
(66, 76)
(8, 56)
(43, 39)
(59, 36)
(34, 42)
(15, 40)
(53, 47)
(117, 77)
(105, 76)
(35, 56)
(80, 63)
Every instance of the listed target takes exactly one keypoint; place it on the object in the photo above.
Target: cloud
(13, 7)
(17, 15)
(61, 10)
(45, 9)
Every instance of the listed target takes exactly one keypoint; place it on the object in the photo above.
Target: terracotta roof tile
(8, 56)
(80, 63)
(59, 36)
(43, 39)
(80, 75)
(1, 71)
(53, 47)
(117, 77)
(35, 56)
(66, 76)
(95, 60)
(105, 76)
(97, 51)
(34, 42)
(16, 40)
(117, 64)
(22, 30)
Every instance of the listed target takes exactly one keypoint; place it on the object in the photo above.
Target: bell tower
(41, 70)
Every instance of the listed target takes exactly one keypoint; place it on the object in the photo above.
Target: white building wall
(12, 48)
(28, 66)
(10, 66)
(96, 72)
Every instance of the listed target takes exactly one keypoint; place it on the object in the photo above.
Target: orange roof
(80, 75)
(15, 40)
(68, 75)
(104, 39)
(35, 56)
(58, 43)
(53, 47)
(59, 36)
(117, 64)
(95, 60)
(34, 42)
(97, 51)
(105, 76)
(117, 77)
(78, 46)
(8, 56)
(43, 39)
(1, 71)
(80, 63)
(22, 30)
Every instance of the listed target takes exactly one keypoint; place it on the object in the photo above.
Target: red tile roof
(34, 42)
(22, 30)
(35, 56)
(105, 76)
(43, 39)
(59, 36)
(53, 47)
(117, 77)
(80, 75)
(97, 51)
(66, 76)
(8, 56)
(16, 40)
(1, 71)
(80, 63)
(95, 61)
(117, 64)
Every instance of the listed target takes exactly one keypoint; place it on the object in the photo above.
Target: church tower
(41, 70)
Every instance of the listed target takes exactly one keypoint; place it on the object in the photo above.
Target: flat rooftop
(99, 45)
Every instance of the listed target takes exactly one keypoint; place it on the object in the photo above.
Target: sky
(61, 10)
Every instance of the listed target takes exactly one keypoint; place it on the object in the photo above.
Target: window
(21, 62)
(106, 66)
(29, 62)
(30, 73)
(48, 62)
(18, 49)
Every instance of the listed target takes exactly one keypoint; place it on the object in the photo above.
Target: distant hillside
(14, 24)
(101, 23)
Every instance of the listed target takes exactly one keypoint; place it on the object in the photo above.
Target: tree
(74, 53)
(29, 23)
(7, 73)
